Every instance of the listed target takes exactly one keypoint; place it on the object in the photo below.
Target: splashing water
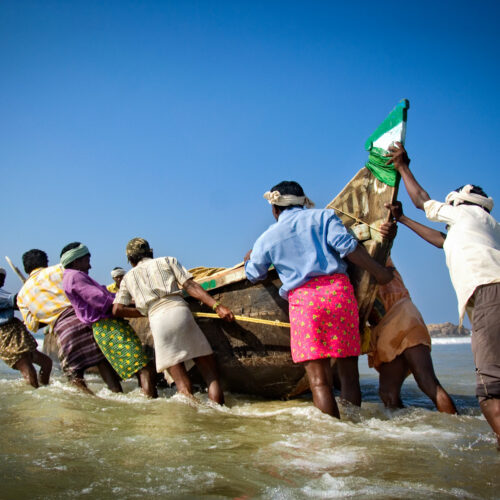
(59, 443)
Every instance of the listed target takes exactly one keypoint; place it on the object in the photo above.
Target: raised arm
(399, 158)
(427, 233)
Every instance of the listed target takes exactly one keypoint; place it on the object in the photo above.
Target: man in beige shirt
(155, 287)
(472, 249)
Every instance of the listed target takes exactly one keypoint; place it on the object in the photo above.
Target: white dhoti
(177, 337)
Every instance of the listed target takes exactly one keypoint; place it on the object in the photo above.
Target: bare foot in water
(45, 364)
(80, 383)
(44, 376)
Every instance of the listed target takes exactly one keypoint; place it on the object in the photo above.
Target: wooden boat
(254, 358)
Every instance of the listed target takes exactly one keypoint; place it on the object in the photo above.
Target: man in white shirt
(472, 249)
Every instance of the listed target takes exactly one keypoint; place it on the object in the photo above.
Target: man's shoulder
(5, 294)
(38, 277)
(54, 272)
(72, 276)
(316, 216)
(315, 213)
(158, 262)
(270, 232)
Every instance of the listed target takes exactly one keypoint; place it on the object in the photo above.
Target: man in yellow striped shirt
(42, 302)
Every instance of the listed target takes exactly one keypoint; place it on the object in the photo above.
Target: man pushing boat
(472, 249)
(308, 247)
(18, 348)
(155, 287)
(42, 302)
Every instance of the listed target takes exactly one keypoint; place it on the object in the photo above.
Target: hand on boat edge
(224, 313)
(388, 230)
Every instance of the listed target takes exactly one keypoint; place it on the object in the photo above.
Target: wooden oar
(15, 269)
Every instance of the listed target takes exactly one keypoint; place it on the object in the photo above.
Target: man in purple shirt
(92, 303)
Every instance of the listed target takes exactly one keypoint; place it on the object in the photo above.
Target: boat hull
(253, 358)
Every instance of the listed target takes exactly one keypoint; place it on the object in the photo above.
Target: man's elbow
(439, 241)
(422, 197)
(352, 251)
(254, 275)
(116, 309)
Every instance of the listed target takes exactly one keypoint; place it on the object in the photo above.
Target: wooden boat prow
(357, 198)
(361, 205)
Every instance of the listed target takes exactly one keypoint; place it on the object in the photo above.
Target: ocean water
(56, 442)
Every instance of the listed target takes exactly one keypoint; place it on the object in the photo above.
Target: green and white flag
(392, 129)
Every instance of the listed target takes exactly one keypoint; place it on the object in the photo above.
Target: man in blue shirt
(308, 247)
(18, 348)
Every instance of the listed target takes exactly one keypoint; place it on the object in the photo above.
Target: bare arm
(360, 257)
(399, 158)
(197, 292)
(430, 235)
(121, 311)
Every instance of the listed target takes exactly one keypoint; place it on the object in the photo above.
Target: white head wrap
(3, 271)
(118, 272)
(286, 200)
(457, 197)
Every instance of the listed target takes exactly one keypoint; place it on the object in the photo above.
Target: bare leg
(208, 369)
(25, 366)
(420, 362)
(491, 411)
(392, 376)
(181, 378)
(320, 381)
(76, 378)
(147, 381)
(335, 376)
(349, 380)
(110, 377)
(45, 364)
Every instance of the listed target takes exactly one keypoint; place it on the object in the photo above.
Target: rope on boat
(246, 319)
(356, 219)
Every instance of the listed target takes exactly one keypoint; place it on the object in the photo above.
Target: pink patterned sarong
(324, 321)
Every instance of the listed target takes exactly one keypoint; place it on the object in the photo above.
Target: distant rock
(447, 330)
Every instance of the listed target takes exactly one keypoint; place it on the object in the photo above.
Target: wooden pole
(16, 270)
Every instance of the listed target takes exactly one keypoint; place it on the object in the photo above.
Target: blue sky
(169, 120)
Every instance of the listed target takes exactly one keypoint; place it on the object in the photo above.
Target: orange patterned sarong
(402, 326)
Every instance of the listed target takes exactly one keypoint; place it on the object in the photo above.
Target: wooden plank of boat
(255, 358)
